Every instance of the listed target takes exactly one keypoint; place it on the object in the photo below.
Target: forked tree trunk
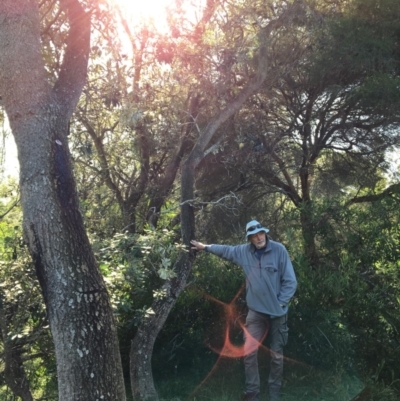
(79, 312)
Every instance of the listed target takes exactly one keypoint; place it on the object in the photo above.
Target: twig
(325, 336)
(9, 209)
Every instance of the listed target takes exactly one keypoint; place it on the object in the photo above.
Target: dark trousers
(257, 326)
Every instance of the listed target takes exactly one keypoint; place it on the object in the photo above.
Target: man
(270, 284)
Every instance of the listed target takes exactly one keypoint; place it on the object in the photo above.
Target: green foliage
(379, 94)
(358, 40)
(22, 305)
(345, 312)
(135, 266)
(320, 335)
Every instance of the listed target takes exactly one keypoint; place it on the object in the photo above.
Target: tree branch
(15, 203)
(73, 71)
(389, 191)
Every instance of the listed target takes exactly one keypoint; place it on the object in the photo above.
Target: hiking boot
(252, 396)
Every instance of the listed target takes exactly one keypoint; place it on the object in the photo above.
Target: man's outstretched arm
(198, 246)
(232, 253)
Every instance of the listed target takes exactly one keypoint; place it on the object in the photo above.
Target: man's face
(259, 240)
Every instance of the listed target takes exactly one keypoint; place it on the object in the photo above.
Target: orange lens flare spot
(230, 350)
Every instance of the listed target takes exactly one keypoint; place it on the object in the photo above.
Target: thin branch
(15, 203)
(196, 204)
(327, 339)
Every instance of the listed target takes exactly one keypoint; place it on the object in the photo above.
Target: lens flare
(233, 319)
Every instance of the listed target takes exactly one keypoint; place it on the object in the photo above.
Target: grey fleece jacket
(270, 281)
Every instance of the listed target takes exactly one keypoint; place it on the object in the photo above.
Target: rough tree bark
(79, 312)
(142, 345)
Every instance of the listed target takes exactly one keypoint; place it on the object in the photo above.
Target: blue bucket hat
(254, 227)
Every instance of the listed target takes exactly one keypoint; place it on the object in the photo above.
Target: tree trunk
(143, 343)
(79, 311)
(165, 184)
(308, 231)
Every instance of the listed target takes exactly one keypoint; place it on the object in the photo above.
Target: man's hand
(197, 245)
